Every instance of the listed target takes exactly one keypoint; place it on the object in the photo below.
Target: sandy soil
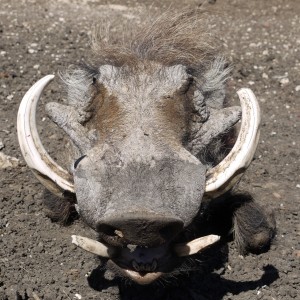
(37, 260)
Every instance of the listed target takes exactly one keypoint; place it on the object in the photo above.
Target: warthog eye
(78, 161)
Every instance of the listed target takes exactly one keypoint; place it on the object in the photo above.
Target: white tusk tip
(74, 240)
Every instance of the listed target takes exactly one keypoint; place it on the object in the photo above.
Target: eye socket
(78, 161)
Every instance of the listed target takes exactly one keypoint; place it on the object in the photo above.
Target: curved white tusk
(196, 245)
(47, 171)
(92, 246)
(228, 172)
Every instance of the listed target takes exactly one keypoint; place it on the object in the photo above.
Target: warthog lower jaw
(144, 265)
(142, 278)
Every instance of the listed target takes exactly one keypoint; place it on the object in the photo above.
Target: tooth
(136, 266)
(93, 246)
(147, 267)
(154, 265)
(119, 233)
(196, 245)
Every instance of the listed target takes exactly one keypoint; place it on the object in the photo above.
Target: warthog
(154, 151)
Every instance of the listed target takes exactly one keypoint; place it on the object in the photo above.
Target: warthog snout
(139, 228)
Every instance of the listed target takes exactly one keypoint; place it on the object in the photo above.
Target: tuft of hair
(78, 84)
(172, 38)
(60, 210)
(238, 216)
(254, 227)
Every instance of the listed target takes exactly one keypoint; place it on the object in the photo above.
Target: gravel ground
(37, 260)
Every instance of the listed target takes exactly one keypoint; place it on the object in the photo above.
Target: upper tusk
(54, 177)
(93, 246)
(227, 173)
(196, 245)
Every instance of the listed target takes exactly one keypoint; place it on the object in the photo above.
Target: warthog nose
(141, 229)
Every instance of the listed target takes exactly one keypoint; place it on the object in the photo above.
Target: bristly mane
(173, 38)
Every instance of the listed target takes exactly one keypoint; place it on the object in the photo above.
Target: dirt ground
(37, 259)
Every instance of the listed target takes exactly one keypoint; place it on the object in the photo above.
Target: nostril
(106, 229)
(140, 229)
(110, 234)
(169, 231)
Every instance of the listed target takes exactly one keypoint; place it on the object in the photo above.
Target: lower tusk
(196, 245)
(92, 246)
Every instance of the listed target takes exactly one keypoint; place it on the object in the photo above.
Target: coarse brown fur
(253, 227)
(238, 216)
(171, 39)
(60, 210)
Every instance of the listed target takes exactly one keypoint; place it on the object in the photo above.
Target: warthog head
(146, 122)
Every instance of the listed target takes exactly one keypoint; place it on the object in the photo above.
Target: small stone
(117, 7)
(284, 81)
(78, 296)
(8, 161)
(297, 88)
(265, 76)
(297, 253)
(31, 51)
(109, 275)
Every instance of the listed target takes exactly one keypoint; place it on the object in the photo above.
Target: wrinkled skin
(139, 165)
